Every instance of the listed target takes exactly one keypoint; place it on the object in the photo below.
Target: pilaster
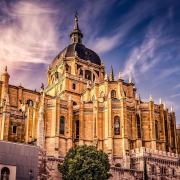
(5, 124)
(162, 138)
(152, 125)
(81, 119)
(95, 122)
(70, 134)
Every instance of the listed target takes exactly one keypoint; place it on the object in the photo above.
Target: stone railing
(147, 151)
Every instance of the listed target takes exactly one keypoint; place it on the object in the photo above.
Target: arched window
(153, 169)
(156, 130)
(81, 72)
(74, 103)
(29, 102)
(56, 75)
(93, 98)
(88, 74)
(102, 94)
(62, 125)
(173, 172)
(116, 125)
(5, 172)
(163, 170)
(77, 129)
(113, 94)
(68, 68)
(14, 129)
(73, 86)
(138, 123)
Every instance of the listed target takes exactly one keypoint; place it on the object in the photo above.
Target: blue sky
(138, 37)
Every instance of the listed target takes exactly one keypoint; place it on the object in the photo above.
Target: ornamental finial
(76, 26)
(76, 35)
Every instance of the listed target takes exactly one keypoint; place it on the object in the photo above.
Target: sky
(140, 38)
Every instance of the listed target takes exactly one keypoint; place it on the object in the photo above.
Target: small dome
(78, 49)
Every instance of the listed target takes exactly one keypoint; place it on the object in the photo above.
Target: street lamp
(30, 174)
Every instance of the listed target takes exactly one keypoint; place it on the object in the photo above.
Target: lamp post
(30, 174)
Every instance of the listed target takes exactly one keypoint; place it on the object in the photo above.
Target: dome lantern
(76, 35)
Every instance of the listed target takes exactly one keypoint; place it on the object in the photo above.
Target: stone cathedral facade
(81, 104)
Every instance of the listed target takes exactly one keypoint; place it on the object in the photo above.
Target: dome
(78, 49)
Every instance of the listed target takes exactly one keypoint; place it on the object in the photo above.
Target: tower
(5, 83)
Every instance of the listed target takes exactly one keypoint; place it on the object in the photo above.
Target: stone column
(20, 96)
(29, 124)
(41, 126)
(5, 124)
(175, 133)
(95, 122)
(110, 138)
(152, 125)
(70, 124)
(55, 125)
(81, 120)
(162, 135)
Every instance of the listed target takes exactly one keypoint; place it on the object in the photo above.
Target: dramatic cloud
(139, 38)
(28, 34)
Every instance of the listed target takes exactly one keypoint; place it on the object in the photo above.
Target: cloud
(175, 95)
(125, 24)
(177, 86)
(167, 72)
(142, 57)
(28, 33)
(104, 44)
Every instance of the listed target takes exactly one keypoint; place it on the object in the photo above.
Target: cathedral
(82, 104)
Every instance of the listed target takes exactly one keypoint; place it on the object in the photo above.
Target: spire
(106, 77)
(5, 69)
(76, 26)
(150, 98)
(111, 77)
(120, 76)
(76, 35)
(160, 101)
(130, 79)
(172, 109)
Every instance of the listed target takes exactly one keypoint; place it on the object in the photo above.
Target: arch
(153, 169)
(77, 129)
(116, 125)
(113, 94)
(5, 172)
(88, 75)
(156, 130)
(68, 68)
(101, 94)
(173, 172)
(62, 125)
(14, 129)
(93, 98)
(74, 103)
(30, 102)
(73, 86)
(138, 124)
(81, 72)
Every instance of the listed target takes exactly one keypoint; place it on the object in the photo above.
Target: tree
(85, 163)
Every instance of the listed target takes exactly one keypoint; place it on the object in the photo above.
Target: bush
(85, 163)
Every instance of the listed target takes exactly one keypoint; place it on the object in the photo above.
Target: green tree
(85, 163)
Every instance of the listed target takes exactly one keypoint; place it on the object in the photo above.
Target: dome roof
(78, 49)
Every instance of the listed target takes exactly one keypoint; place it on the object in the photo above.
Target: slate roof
(81, 51)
